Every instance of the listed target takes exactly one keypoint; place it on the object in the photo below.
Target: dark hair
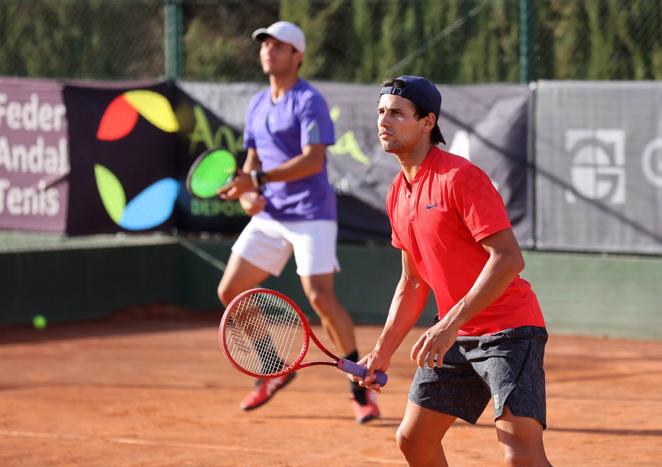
(435, 134)
(295, 50)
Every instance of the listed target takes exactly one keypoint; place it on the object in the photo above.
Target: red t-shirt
(450, 208)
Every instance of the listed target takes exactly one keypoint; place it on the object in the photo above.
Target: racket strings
(213, 170)
(265, 334)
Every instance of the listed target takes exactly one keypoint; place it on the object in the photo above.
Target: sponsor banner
(124, 148)
(34, 156)
(487, 124)
(131, 147)
(599, 166)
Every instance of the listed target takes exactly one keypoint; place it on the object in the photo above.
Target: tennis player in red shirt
(488, 339)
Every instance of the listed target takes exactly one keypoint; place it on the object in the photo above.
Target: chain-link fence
(598, 39)
(76, 39)
(450, 41)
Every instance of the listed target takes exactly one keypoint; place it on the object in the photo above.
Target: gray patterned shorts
(506, 367)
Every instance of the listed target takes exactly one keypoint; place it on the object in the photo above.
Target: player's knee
(320, 301)
(226, 294)
(403, 440)
(409, 445)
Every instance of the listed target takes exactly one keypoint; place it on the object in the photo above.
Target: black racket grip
(355, 369)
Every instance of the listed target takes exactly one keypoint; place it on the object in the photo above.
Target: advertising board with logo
(599, 166)
(131, 146)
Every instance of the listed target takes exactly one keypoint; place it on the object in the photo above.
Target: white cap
(283, 31)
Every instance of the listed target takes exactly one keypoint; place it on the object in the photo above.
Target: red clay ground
(147, 392)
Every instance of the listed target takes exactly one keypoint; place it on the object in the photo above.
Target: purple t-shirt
(278, 131)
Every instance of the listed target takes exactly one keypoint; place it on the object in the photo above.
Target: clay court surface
(145, 391)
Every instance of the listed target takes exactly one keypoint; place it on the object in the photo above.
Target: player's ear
(429, 121)
(298, 57)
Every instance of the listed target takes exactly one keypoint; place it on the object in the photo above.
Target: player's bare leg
(521, 440)
(420, 433)
(337, 323)
(239, 276)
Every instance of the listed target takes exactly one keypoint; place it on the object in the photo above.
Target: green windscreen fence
(91, 277)
(451, 42)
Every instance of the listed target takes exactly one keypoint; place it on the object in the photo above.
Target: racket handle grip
(355, 369)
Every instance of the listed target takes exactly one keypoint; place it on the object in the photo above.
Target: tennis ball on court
(39, 322)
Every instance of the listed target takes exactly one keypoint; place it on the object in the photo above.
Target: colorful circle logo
(155, 204)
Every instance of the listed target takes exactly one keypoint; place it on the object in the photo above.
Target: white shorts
(268, 244)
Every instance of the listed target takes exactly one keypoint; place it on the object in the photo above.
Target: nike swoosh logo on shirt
(430, 206)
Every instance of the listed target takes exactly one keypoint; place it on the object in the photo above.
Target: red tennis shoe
(367, 412)
(264, 390)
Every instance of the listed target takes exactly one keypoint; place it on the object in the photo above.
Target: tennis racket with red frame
(265, 334)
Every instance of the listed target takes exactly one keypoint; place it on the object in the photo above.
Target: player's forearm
(498, 272)
(406, 307)
(310, 162)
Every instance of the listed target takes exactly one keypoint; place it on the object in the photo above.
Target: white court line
(381, 460)
(134, 441)
(33, 434)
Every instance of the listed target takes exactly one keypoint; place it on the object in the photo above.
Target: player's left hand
(240, 184)
(431, 347)
(374, 361)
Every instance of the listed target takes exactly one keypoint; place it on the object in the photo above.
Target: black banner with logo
(131, 148)
(124, 148)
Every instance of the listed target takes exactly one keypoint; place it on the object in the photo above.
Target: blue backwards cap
(418, 90)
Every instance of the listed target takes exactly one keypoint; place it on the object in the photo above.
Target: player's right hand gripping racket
(210, 172)
(265, 334)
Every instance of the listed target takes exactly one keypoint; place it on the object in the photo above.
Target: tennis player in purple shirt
(284, 186)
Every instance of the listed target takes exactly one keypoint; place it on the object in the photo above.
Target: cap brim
(259, 34)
